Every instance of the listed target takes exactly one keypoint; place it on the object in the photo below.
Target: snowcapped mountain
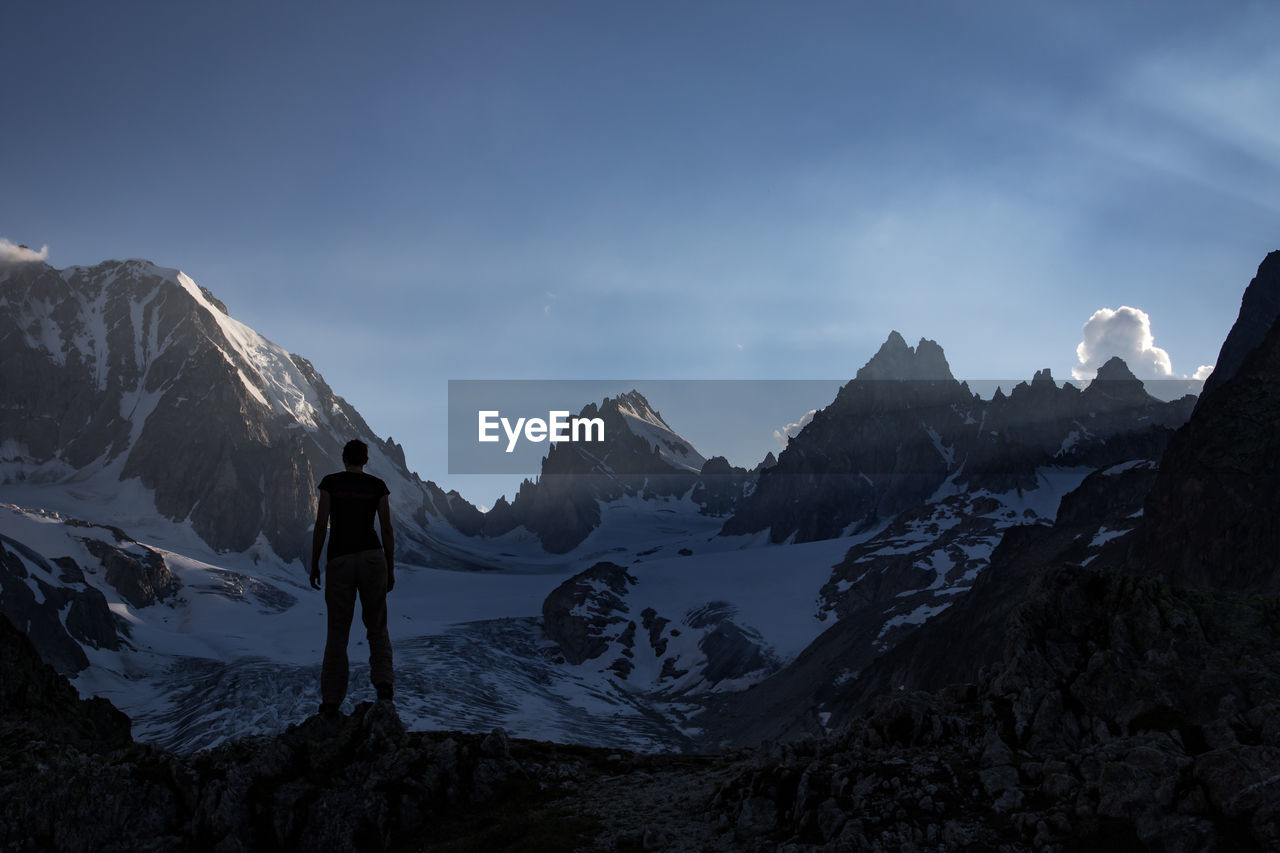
(642, 422)
(130, 386)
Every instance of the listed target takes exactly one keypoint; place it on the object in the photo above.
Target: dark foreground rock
(1126, 714)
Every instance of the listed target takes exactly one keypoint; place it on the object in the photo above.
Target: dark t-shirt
(353, 504)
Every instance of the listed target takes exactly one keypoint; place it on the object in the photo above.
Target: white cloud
(1123, 332)
(783, 435)
(1202, 372)
(12, 253)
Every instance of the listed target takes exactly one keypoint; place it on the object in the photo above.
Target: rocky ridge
(904, 428)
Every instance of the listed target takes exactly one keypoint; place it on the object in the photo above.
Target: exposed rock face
(1259, 310)
(1210, 520)
(128, 370)
(141, 577)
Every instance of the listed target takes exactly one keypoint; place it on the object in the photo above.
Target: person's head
(355, 453)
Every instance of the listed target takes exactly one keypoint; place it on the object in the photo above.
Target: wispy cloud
(1208, 115)
(14, 253)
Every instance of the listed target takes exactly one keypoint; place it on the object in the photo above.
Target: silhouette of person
(358, 565)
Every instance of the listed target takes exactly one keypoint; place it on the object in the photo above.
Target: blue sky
(412, 193)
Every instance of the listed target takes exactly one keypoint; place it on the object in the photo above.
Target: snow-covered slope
(226, 646)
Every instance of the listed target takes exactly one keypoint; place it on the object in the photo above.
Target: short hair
(355, 453)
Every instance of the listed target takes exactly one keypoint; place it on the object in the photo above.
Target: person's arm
(317, 537)
(388, 541)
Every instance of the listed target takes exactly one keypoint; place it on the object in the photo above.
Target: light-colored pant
(346, 577)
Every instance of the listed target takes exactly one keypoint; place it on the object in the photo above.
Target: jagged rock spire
(896, 360)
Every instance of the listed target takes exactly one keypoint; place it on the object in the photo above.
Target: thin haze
(409, 193)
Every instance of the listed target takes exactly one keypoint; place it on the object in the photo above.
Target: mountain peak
(1115, 385)
(645, 422)
(896, 360)
(633, 400)
(1115, 370)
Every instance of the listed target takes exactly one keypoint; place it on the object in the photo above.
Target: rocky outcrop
(582, 614)
(138, 573)
(38, 703)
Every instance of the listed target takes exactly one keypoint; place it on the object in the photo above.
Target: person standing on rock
(358, 565)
